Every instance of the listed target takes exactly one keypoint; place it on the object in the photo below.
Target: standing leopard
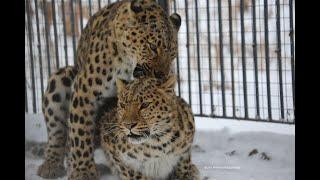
(127, 40)
(150, 133)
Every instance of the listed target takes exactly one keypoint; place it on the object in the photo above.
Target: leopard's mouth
(136, 138)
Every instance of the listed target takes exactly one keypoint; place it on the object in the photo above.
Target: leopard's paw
(83, 175)
(51, 170)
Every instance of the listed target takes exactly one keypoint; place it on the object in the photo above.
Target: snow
(216, 164)
(236, 126)
(214, 140)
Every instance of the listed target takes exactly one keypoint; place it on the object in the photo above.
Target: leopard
(149, 134)
(128, 39)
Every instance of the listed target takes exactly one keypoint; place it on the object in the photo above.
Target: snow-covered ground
(221, 150)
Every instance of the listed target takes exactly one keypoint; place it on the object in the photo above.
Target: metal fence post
(164, 4)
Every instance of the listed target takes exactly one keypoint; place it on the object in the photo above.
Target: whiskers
(143, 131)
(160, 131)
(113, 130)
(158, 128)
(115, 137)
(146, 133)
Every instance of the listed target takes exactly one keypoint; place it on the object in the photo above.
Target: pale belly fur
(158, 168)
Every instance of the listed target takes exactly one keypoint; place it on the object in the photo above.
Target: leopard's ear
(136, 5)
(176, 20)
(169, 83)
(121, 85)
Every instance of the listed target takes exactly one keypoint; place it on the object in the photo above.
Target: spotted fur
(150, 133)
(127, 39)
(55, 106)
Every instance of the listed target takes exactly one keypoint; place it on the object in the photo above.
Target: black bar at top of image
(292, 52)
(279, 57)
(28, 6)
(198, 56)
(221, 59)
(177, 60)
(47, 31)
(55, 32)
(64, 33)
(210, 59)
(231, 59)
(188, 51)
(39, 47)
(254, 47)
(73, 31)
(266, 34)
(243, 57)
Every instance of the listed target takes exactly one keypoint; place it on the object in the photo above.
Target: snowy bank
(221, 150)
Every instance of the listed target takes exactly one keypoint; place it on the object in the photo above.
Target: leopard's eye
(144, 105)
(122, 105)
(153, 48)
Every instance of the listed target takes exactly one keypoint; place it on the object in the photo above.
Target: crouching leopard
(127, 40)
(150, 133)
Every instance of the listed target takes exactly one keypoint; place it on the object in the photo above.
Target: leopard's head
(145, 108)
(148, 36)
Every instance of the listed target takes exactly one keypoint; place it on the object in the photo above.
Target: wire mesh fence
(236, 57)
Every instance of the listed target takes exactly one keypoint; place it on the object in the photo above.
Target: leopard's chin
(137, 140)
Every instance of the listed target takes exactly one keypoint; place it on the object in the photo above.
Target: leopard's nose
(138, 71)
(132, 125)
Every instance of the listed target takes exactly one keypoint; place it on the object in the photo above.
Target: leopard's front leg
(130, 174)
(125, 172)
(81, 132)
(186, 170)
(118, 166)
